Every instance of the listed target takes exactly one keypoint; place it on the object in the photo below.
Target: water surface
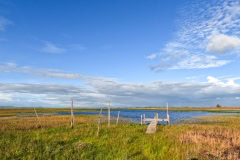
(175, 116)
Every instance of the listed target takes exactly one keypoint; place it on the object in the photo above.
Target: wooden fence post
(167, 109)
(99, 121)
(72, 116)
(37, 117)
(141, 120)
(144, 119)
(118, 117)
(109, 114)
(168, 118)
(156, 117)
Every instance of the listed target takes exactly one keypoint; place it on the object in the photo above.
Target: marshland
(51, 137)
(119, 79)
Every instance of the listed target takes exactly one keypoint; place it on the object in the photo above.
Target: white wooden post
(109, 114)
(141, 120)
(118, 117)
(168, 115)
(72, 116)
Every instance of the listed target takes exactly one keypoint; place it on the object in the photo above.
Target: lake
(175, 116)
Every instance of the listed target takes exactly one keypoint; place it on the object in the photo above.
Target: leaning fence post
(72, 116)
(37, 117)
(118, 117)
(99, 121)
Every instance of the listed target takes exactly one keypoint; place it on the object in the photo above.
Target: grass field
(210, 138)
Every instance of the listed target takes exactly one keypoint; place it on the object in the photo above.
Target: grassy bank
(209, 138)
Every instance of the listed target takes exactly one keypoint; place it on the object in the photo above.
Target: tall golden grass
(217, 140)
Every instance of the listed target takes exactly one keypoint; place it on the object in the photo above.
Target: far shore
(13, 111)
(213, 109)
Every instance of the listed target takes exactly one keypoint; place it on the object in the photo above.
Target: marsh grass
(23, 138)
(217, 137)
(216, 142)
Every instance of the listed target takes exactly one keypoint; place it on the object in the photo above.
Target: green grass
(122, 141)
(23, 138)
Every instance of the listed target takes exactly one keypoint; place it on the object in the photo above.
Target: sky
(134, 53)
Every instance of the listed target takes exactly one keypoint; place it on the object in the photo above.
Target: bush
(218, 106)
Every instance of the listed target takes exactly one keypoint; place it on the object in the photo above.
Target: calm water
(175, 116)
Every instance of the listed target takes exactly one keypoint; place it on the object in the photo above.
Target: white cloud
(205, 28)
(151, 57)
(13, 67)
(4, 22)
(214, 80)
(191, 62)
(51, 73)
(5, 97)
(221, 43)
(200, 61)
(231, 81)
(52, 48)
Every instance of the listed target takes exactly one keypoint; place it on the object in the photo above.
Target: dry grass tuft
(214, 142)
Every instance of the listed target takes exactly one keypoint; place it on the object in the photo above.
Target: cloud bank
(96, 91)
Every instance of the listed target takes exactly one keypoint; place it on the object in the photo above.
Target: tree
(218, 106)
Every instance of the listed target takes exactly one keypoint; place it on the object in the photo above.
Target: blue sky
(131, 52)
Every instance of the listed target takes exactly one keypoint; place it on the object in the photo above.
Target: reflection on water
(175, 116)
